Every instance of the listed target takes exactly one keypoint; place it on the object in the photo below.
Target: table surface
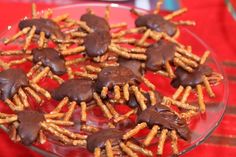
(215, 25)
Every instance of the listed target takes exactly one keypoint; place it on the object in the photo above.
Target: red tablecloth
(214, 25)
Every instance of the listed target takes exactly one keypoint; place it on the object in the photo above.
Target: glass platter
(201, 126)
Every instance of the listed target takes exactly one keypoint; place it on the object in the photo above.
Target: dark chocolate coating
(162, 116)
(134, 104)
(118, 75)
(157, 23)
(99, 138)
(79, 90)
(47, 26)
(158, 54)
(96, 43)
(192, 79)
(29, 125)
(51, 58)
(10, 82)
(133, 64)
(95, 22)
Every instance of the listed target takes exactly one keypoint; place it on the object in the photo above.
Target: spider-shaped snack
(30, 126)
(97, 37)
(14, 82)
(42, 28)
(109, 142)
(81, 91)
(186, 81)
(160, 119)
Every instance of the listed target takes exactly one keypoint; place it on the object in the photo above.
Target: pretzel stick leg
(70, 111)
(139, 149)
(33, 94)
(127, 150)
(162, 141)
(178, 92)
(134, 130)
(151, 135)
(97, 152)
(83, 106)
(23, 97)
(108, 147)
(186, 94)
(201, 99)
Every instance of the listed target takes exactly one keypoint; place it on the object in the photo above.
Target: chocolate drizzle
(51, 58)
(79, 90)
(47, 26)
(157, 23)
(134, 65)
(158, 54)
(95, 22)
(99, 138)
(162, 116)
(29, 125)
(10, 82)
(118, 75)
(185, 78)
(96, 43)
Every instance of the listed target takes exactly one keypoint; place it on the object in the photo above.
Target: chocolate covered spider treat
(42, 29)
(109, 142)
(29, 127)
(14, 84)
(160, 118)
(186, 81)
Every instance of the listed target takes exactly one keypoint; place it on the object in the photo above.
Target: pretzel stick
(201, 99)
(23, 97)
(144, 37)
(86, 75)
(104, 92)
(33, 69)
(204, 57)
(20, 61)
(125, 116)
(179, 104)
(102, 106)
(158, 7)
(208, 87)
(34, 12)
(174, 142)
(60, 122)
(188, 54)
(70, 111)
(162, 141)
(97, 152)
(8, 120)
(180, 63)
(127, 150)
(139, 149)
(33, 94)
(11, 52)
(148, 83)
(169, 69)
(17, 101)
(73, 51)
(40, 75)
(60, 18)
(78, 34)
(186, 94)
(117, 92)
(62, 103)
(83, 111)
(40, 90)
(151, 135)
(112, 110)
(178, 92)
(67, 132)
(107, 13)
(17, 35)
(58, 79)
(29, 38)
(139, 97)
(93, 68)
(41, 39)
(134, 131)
(47, 13)
(54, 115)
(118, 25)
(12, 106)
(89, 128)
(175, 13)
(126, 91)
(108, 147)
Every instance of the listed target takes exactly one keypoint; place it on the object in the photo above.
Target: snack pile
(97, 64)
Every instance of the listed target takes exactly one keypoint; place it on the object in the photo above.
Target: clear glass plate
(201, 126)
